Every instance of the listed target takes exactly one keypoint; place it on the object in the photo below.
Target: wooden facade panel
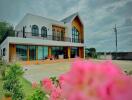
(81, 52)
(77, 23)
(12, 52)
(69, 52)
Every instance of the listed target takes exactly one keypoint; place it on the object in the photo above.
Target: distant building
(39, 38)
(114, 55)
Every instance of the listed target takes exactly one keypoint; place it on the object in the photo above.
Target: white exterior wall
(5, 44)
(69, 30)
(30, 20)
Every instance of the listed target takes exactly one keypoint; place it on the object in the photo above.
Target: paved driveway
(38, 72)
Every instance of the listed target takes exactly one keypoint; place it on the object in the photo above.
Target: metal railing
(45, 37)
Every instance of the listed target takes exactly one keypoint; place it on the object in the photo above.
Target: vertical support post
(36, 54)
(84, 52)
(69, 52)
(49, 51)
(8, 52)
(28, 61)
(80, 55)
(81, 52)
(13, 52)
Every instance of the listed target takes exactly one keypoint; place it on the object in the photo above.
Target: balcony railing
(46, 37)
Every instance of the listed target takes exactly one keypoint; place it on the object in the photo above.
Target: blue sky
(99, 17)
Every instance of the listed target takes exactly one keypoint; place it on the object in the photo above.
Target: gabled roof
(45, 18)
(70, 18)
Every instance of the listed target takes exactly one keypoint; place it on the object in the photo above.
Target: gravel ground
(38, 72)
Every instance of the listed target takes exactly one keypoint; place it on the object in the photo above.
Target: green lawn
(27, 88)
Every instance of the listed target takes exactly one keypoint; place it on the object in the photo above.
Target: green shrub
(37, 95)
(12, 83)
(3, 66)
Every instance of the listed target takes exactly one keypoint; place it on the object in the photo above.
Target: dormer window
(35, 30)
(44, 31)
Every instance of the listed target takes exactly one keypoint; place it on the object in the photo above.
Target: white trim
(31, 41)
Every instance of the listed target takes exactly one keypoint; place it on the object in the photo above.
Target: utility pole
(115, 30)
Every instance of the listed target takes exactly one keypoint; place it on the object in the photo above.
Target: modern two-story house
(38, 38)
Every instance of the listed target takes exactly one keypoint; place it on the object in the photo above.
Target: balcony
(39, 36)
(48, 37)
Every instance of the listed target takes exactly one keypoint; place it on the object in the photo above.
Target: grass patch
(27, 87)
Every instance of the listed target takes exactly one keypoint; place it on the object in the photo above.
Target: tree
(6, 29)
(91, 52)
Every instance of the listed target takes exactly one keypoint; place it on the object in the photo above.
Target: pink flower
(56, 93)
(34, 85)
(77, 96)
(47, 85)
(93, 81)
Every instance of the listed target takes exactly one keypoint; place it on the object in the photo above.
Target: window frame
(35, 30)
(4, 52)
(44, 32)
(75, 35)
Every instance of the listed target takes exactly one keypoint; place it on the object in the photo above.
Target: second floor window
(44, 31)
(75, 35)
(4, 51)
(35, 30)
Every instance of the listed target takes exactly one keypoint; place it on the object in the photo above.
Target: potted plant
(7, 96)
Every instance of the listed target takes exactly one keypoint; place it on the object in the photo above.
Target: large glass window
(44, 31)
(54, 34)
(75, 35)
(32, 52)
(74, 52)
(62, 35)
(21, 51)
(56, 51)
(42, 52)
(35, 30)
(58, 33)
(45, 52)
